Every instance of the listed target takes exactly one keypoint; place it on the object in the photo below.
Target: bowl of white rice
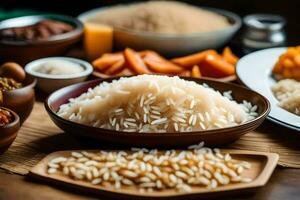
(156, 110)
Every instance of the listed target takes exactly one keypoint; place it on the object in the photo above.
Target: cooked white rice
(288, 94)
(153, 103)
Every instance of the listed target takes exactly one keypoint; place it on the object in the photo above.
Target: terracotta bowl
(215, 137)
(24, 52)
(8, 133)
(21, 100)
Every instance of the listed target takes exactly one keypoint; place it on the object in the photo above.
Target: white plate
(255, 71)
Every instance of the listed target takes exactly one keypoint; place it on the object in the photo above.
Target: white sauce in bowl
(59, 67)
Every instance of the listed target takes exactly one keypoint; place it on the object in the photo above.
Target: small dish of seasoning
(16, 89)
(56, 72)
(9, 127)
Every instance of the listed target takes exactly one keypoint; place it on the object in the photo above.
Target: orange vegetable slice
(229, 56)
(135, 62)
(159, 64)
(117, 67)
(193, 59)
(161, 67)
(144, 53)
(107, 60)
(196, 73)
(216, 67)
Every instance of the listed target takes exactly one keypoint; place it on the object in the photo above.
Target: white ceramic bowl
(49, 82)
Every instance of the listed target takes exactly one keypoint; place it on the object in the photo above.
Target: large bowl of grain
(168, 27)
(157, 111)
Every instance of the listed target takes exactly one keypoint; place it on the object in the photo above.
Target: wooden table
(283, 185)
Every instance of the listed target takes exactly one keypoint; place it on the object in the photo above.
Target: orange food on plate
(161, 65)
(215, 67)
(194, 59)
(229, 56)
(135, 61)
(196, 73)
(206, 63)
(288, 65)
(117, 67)
(107, 60)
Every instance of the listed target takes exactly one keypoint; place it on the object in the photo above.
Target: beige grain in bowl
(56, 72)
(168, 27)
(160, 104)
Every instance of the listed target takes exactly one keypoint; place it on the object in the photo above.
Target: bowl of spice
(16, 89)
(56, 72)
(9, 126)
(24, 39)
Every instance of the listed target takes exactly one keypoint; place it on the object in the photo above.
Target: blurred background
(289, 9)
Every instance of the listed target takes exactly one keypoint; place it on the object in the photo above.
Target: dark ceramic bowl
(8, 133)
(21, 100)
(213, 137)
(25, 51)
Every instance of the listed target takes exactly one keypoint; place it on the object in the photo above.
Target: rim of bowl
(29, 68)
(245, 125)
(31, 84)
(234, 26)
(15, 122)
(77, 24)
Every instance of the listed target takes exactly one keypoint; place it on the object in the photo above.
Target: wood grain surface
(283, 185)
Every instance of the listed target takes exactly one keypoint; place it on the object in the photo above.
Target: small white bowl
(49, 82)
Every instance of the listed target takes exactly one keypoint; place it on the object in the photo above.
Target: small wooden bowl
(8, 133)
(21, 100)
(213, 137)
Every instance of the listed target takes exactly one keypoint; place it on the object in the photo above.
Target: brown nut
(13, 70)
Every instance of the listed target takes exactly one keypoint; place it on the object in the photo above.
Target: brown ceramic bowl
(213, 137)
(8, 133)
(21, 100)
(26, 51)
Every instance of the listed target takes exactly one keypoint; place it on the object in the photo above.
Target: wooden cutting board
(262, 164)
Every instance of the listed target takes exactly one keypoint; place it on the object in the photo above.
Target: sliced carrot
(105, 61)
(144, 53)
(161, 67)
(229, 56)
(135, 61)
(193, 59)
(196, 73)
(215, 67)
(117, 67)
(159, 64)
